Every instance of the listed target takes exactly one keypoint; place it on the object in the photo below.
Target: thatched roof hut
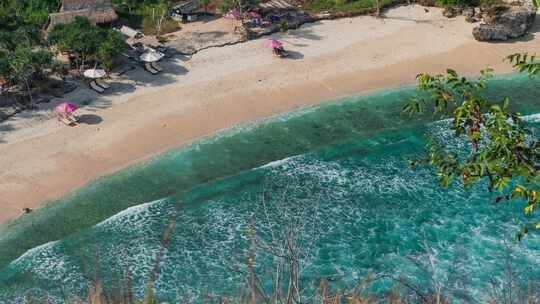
(97, 11)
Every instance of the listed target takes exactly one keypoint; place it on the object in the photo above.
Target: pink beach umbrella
(254, 15)
(273, 44)
(233, 15)
(66, 108)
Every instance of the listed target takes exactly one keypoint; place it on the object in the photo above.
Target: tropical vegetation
(345, 6)
(87, 42)
(502, 150)
(28, 11)
(23, 56)
(151, 16)
(26, 57)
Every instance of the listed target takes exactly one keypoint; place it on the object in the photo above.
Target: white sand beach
(41, 159)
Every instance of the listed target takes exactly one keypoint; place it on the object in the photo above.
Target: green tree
(22, 59)
(24, 65)
(29, 11)
(525, 63)
(88, 42)
(126, 5)
(159, 13)
(110, 48)
(501, 150)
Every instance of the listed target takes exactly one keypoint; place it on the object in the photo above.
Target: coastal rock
(477, 12)
(468, 12)
(510, 23)
(470, 15)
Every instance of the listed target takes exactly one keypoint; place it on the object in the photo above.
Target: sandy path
(41, 160)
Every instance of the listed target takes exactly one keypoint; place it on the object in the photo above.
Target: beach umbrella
(233, 15)
(273, 44)
(151, 56)
(254, 15)
(66, 108)
(94, 73)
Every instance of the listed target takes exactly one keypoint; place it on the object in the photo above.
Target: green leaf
(502, 149)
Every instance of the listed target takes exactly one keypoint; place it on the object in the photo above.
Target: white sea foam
(33, 251)
(207, 244)
(48, 263)
(129, 212)
(276, 163)
(532, 117)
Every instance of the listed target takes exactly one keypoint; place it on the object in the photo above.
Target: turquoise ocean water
(336, 174)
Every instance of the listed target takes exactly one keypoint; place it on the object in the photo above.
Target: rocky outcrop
(505, 24)
(449, 12)
(470, 15)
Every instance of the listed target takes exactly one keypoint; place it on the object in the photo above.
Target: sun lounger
(127, 56)
(138, 47)
(68, 121)
(280, 52)
(103, 84)
(74, 119)
(156, 66)
(149, 68)
(94, 86)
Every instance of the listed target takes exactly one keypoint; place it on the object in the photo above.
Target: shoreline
(42, 161)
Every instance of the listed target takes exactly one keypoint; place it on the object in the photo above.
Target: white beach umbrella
(94, 73)
(151, 56)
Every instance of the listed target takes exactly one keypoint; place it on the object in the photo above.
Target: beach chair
(74, 119)
(150, 69)
(68, 121)
(138, 47)
(156, 66)
(94, 86)
(103, 84)
(280, 52)
(128, 56)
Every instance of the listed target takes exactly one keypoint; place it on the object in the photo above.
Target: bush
(149, 26)
(345, 6)
(426, 2)
(487, 4)
(284, 26)
(228, 5)
(87, 42)
(446, 3)
(169, 26)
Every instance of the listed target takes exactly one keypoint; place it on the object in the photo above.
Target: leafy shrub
(487, 4)
(149, 26)
(228, 5)
(32, 12)
(283, 26)
(87, 41)
(169, 26)
(445, 3)
(426, 2)
(352, 6)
